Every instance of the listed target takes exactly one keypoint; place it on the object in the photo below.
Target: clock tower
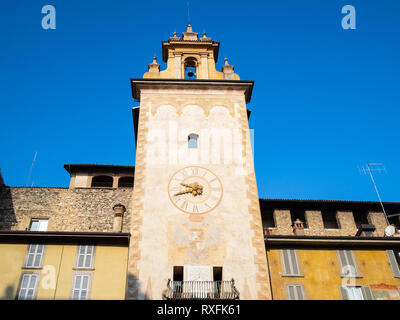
(196, 229)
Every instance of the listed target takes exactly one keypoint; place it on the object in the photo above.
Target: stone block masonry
(80, 209)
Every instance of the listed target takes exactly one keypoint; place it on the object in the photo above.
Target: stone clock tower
(196, 219)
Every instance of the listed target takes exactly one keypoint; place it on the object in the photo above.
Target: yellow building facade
(49, 265)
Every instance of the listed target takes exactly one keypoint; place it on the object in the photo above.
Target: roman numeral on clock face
(184, 205)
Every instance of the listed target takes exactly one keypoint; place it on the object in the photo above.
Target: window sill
(293, 275)
(32, 268)
(83, 269)
(351, 277)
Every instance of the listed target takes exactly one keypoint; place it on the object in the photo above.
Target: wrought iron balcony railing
(215, 290)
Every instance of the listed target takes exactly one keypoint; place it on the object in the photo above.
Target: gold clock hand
(182, 192)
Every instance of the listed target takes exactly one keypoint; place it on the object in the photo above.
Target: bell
(190, 73)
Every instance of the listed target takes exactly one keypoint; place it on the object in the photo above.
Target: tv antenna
(30, 172)
(375, 167)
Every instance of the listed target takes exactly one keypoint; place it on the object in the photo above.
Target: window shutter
(300, 293)
(294, 263)
(290, 263)
(290, 292)
(285, 262)
(347, 260)
(295, 292)
(367, 293)
(343, 293)
(393, 263)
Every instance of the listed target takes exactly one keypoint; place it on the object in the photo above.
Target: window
(34, 256)
(102, 181)
(394, 260)
(329, 218)
(38, 225)
(360, 217)
(177, 281)
(348, 263)
(394, 220)
(81, 284)
(27, 287)
(356, 293)
(125, 182)
(192, 140)
(290, 263)
(298, 214)
(84, 259)
(295, 292)
(268, 220)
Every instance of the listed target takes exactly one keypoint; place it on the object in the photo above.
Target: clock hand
(183, 192)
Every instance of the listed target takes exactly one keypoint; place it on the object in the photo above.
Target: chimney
(298, 227)
(119, 211)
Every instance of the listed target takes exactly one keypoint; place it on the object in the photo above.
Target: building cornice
(138, 84)
(64, 236)
(334, 241)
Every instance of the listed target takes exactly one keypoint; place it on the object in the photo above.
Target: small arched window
(192, 140)
(102, 181)
(125, 182)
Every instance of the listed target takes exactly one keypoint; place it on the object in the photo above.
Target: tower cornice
(139, 84)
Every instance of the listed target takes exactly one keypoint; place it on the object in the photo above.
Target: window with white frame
(295, 292)
(356, 293)
(38, 225)
(81, 286)
(348, 263)
(290, 263)
(34, 256)
(28, 286)
(84, 258)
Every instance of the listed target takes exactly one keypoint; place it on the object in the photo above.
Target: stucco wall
(322, 277)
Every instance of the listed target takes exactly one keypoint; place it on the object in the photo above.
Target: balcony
(201, 290)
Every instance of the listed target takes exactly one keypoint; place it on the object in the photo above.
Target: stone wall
(345, 219)
(80, 209)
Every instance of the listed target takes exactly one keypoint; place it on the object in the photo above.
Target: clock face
(195, 190)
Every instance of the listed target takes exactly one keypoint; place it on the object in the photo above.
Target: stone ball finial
(226, 61)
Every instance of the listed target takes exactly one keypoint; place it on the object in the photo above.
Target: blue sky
(325, 99)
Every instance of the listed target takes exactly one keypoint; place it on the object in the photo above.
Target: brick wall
(86, 210)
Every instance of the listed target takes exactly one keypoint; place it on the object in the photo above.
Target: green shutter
(393, 263)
